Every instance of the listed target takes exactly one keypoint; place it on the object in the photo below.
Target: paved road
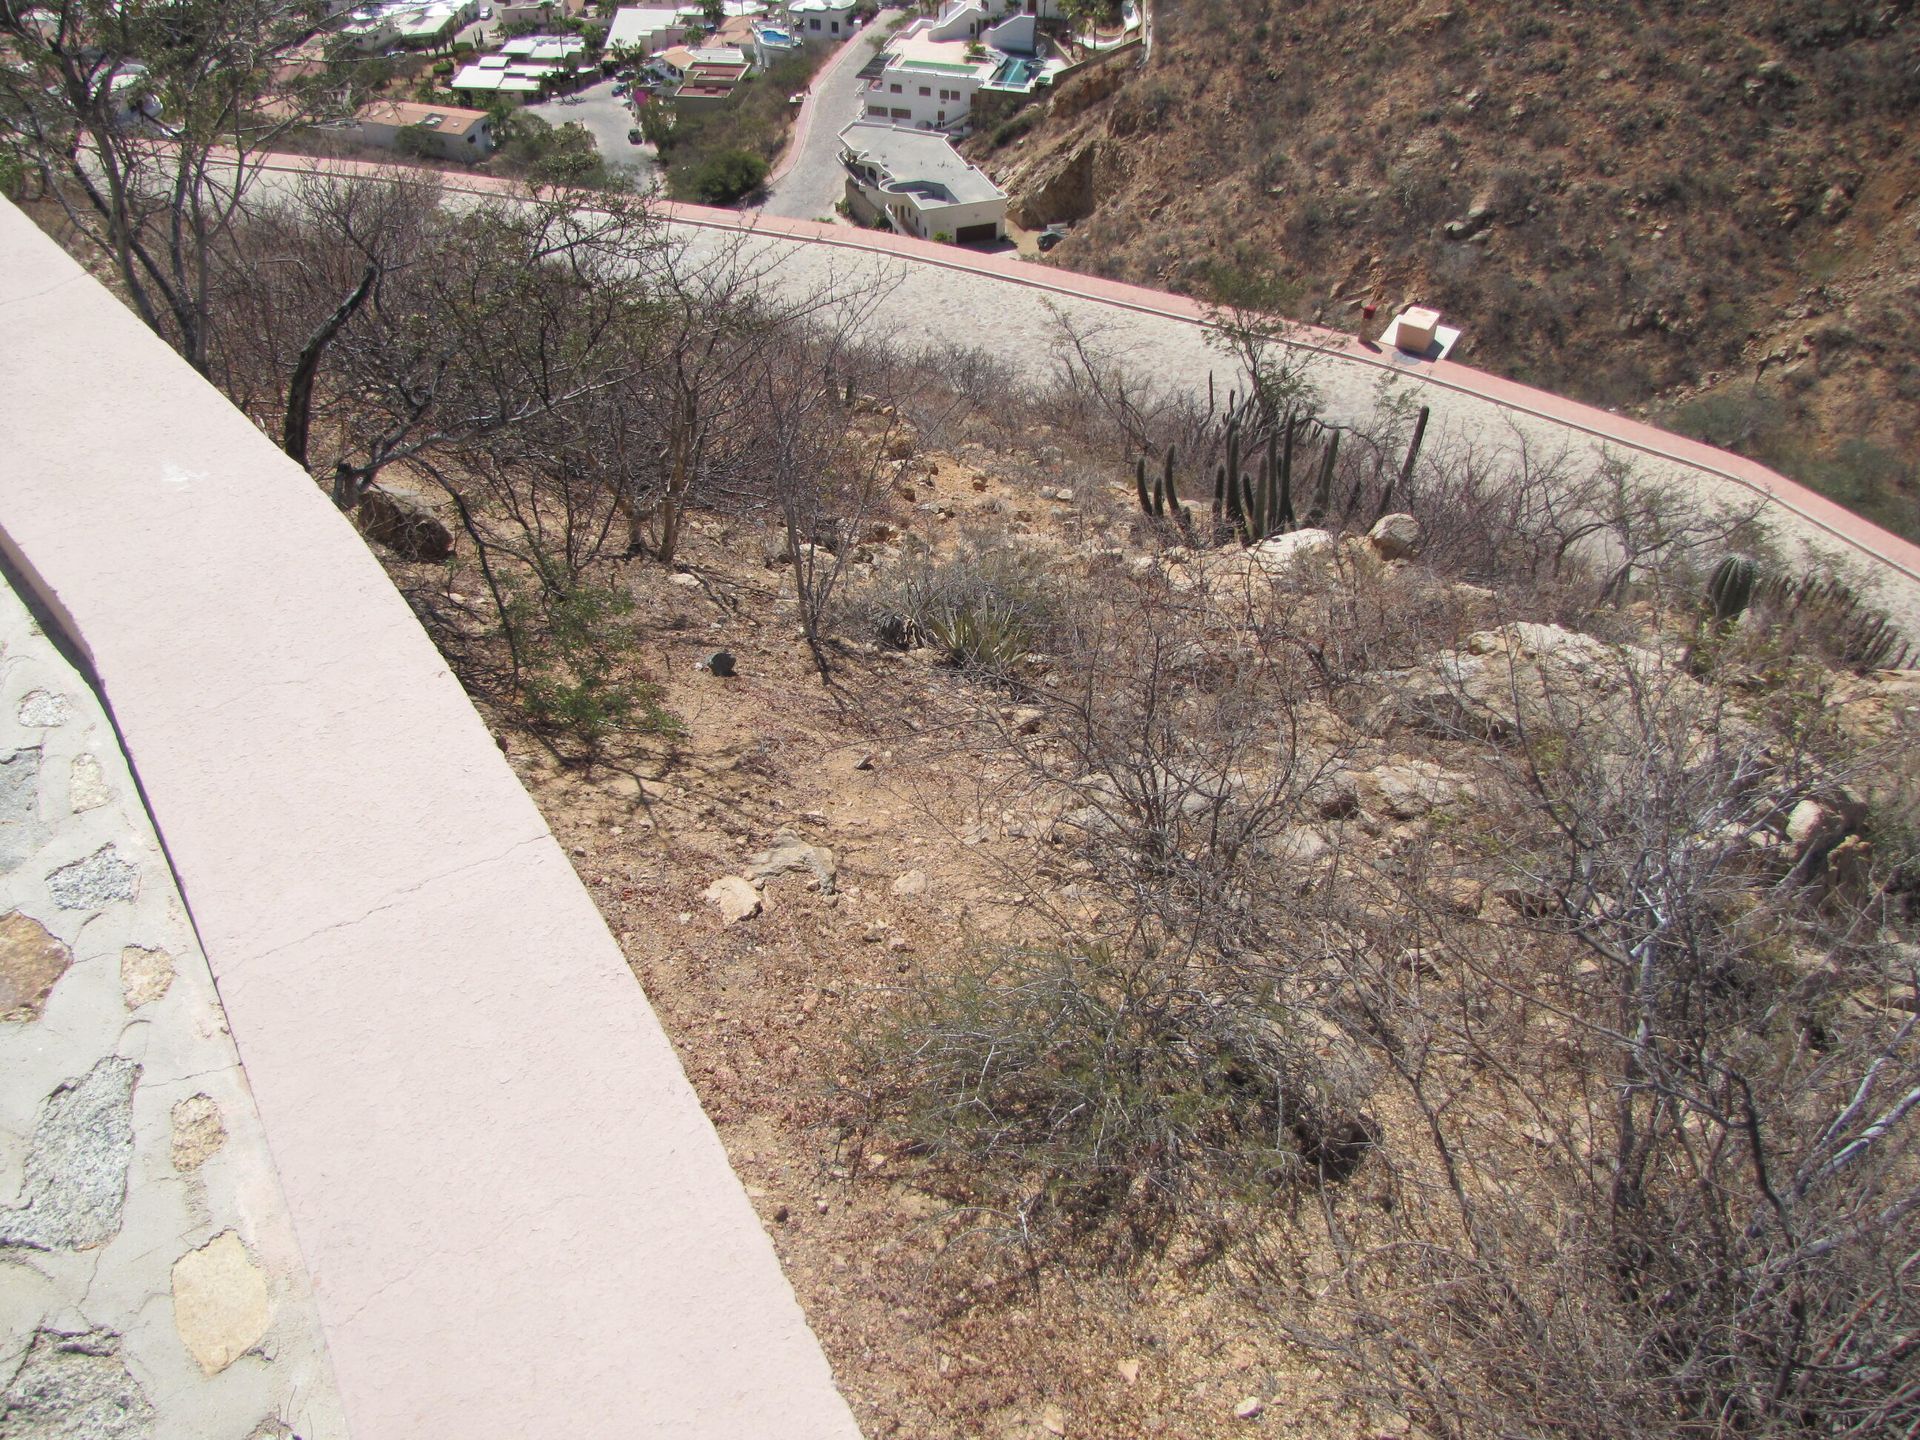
(926, 294)
(809, 180)
(608, 120)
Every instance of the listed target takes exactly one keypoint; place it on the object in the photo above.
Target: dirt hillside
(1702, 213)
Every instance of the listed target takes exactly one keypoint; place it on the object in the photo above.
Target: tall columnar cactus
(1166, 480)
(1323, 491)
(1730, 588)
(1140, 484)
(1236, 508)
(1283, 497)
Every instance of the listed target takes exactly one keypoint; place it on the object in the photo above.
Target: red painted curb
(1862, 535)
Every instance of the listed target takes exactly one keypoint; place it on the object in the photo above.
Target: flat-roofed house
(644, 29)
(709, 77)
(443, 131)
(919, 184)
(822, 21)
(938, 64)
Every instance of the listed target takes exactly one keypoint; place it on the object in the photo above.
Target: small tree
(722, 179)
(146, 124)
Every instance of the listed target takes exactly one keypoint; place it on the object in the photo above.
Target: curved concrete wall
(517, 1220)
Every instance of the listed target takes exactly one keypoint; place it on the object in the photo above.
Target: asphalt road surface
(608, 120)
(809, 190)
(919, 295)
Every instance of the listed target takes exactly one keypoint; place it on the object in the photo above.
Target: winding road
(928, 294)
(808, 181)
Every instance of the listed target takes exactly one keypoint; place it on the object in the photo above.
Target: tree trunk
(293, 436)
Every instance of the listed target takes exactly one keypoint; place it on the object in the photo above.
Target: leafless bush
(1655, 1114)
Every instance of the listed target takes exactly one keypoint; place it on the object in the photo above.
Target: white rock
(219, 1302)
(909, 884)
(734, 897)
(1287, 556)
(1804, 821)
(87, 789)
(1249, 1408)
(1396, 537)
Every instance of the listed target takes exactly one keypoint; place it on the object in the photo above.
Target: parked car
(619, 90)
(633, 136)
(1050, 237)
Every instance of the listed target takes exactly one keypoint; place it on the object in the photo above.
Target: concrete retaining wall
(517, 1220)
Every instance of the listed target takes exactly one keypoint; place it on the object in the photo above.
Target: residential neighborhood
(664, 93)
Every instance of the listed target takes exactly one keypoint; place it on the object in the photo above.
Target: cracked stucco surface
(150, 1284)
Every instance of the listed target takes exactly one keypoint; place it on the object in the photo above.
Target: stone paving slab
(150, 1283)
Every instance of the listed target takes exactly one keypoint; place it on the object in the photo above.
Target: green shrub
(579, 679)
(721, 179)
(1076, 1086)
(1011, 130)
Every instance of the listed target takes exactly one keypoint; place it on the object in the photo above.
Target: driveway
(608, 120)
(811, 179)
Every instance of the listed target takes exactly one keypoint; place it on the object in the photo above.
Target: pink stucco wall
(518, 1221)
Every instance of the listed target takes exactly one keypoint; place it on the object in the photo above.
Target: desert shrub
(1011, 130)
(1079, 1087)
(580, 683)
(986, 607)
(721, 179)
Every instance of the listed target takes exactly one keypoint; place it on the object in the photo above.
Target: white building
(692, 15)
(440, 130)
(646, 30)
(562, 51)
(538, 12)
(938, 64)
(500, 76)
(821, 21)
(919, 184)
(407, 22)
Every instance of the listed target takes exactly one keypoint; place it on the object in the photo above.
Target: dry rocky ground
(875, 792)
(797, 857)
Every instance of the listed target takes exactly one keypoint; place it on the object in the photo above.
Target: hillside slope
(1644, 205)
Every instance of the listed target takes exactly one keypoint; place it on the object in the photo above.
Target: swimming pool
(1015, 73)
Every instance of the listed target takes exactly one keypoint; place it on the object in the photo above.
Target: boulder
(1295, 554)
(1396, 537)
(1060, 191)
(405, 522)
(1409, 789)
(1523, 676)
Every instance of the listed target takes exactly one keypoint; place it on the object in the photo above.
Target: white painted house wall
(920, 99)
